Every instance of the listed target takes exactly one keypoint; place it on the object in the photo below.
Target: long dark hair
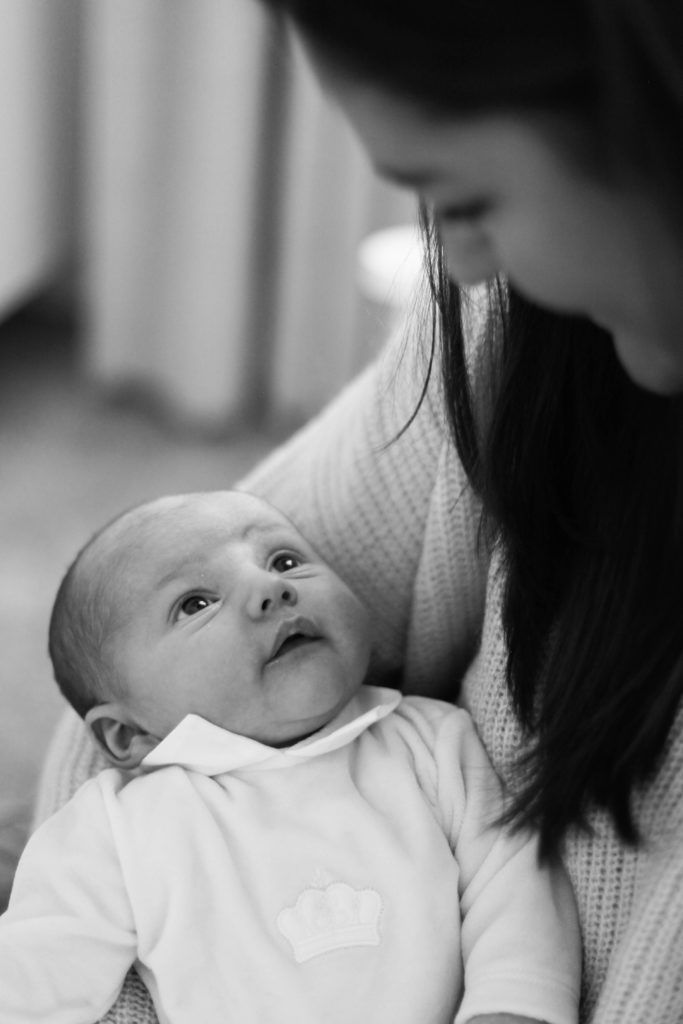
(580, 471)
(581, 476)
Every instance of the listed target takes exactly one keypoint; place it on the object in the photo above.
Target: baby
(290, 845)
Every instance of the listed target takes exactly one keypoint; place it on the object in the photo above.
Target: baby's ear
(123, 741)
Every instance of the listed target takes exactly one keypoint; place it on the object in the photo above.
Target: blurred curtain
(38, 57)
(225, 201)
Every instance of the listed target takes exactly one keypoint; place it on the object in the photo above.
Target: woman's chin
(654, 368)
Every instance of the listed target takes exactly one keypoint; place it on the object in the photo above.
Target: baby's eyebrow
(263, 528)
(282, 531)
(176, 573)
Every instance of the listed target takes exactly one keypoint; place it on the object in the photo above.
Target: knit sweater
(396, 518)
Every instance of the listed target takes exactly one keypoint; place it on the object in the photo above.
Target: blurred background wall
(38, 154)
(177, 156)
(180, 285)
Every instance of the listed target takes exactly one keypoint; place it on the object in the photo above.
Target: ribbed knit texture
(399, 523)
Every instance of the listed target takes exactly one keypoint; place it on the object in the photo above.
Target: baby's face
(225, 611)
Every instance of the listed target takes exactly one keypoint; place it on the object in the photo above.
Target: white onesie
(357, 876)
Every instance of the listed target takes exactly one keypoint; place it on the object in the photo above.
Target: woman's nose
(268, 592)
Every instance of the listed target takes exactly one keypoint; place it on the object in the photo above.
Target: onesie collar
(206, 748)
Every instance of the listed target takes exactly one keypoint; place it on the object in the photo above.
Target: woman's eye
(463, 212)
(192, 604)
(285, 563)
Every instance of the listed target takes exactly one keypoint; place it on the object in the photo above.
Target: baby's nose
(270, 591)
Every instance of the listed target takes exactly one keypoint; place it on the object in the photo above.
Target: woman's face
(509, 197)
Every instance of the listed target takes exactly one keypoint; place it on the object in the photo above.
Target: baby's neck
(283, 744)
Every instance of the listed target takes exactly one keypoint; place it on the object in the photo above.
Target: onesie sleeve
(520, 934)
(67, 938)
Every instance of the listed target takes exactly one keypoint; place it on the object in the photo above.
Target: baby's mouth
(291, 635)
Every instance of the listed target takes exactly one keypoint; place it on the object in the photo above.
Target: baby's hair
(83, 621)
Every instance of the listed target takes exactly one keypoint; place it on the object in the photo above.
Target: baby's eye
(285, 562)
(194, 603)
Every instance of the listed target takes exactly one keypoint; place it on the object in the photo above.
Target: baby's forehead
(212, 516)
(229, 511)
(164, 539)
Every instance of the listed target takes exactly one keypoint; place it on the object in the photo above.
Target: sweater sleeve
(67, 938)
(520, 934)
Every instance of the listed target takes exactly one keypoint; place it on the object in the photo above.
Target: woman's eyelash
(463, 211)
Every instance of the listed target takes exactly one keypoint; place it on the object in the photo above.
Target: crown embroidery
(335, 917)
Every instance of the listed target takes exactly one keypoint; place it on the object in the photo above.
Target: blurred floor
(68, 462)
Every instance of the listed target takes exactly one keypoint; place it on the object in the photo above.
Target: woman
(514, 522)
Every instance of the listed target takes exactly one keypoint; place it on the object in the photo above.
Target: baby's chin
(296, 732)
(292, 740)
